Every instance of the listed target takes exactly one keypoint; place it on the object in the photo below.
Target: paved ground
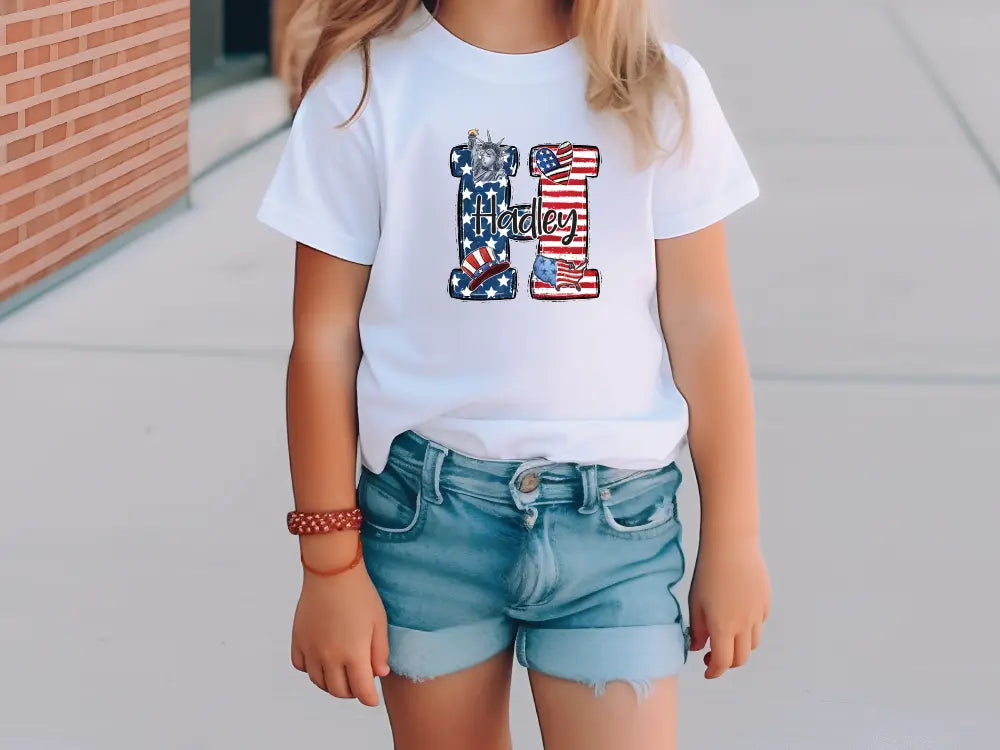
(144, 399)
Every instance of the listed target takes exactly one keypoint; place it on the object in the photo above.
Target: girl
(504, 213)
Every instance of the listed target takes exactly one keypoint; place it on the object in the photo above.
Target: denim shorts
(574, 564)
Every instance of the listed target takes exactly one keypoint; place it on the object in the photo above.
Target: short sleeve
(324, 192)
(714, 180)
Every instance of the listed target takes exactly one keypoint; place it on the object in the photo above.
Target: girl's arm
(321, 396)
(339, 635)
(730, 591)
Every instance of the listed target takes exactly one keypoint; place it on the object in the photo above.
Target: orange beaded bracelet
(321, 522)
(304, 523)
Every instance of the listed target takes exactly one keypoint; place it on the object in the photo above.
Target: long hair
(628, 71)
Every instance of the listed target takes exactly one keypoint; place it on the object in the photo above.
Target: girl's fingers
(755, 635)
(741, 648)
(362, 682)
(721, 655)
(380, 649)
(699, 629)
(314, 668)
(336, 681)
(298, 659)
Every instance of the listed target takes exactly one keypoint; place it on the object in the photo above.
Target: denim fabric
(575, 564)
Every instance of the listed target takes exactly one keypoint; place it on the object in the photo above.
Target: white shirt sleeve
(715, 179)
(324, 192)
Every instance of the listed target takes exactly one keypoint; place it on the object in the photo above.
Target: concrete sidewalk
(148, 596)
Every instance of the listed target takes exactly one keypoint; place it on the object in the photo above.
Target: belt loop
(588, 474)
(430, 479)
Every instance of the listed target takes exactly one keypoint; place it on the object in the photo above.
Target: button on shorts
(574, 564)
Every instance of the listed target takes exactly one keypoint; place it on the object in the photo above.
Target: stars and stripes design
(484, 251)
(558, 273)
(480, 265)
(563, 170)
(569, 274)
(556, 165)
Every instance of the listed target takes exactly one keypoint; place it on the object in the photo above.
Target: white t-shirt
(511, 311)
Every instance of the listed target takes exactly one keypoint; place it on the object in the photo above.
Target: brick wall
(94, 98)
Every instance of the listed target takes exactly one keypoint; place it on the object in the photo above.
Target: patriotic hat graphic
(480, 265)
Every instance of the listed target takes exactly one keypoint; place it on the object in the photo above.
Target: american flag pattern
(562, 170)
(481, 265)
(568, 274)
(556, 165)
(473, 239)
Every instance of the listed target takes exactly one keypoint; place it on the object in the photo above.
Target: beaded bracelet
(303, 522)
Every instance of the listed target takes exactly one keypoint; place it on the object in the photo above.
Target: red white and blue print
(484, 168)
(558, 273)
(556, 219)
(561, 270)
(556, 165)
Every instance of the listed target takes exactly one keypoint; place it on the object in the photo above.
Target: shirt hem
(704, 216)
(325, 240)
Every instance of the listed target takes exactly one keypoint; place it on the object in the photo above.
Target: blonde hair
(628, 71)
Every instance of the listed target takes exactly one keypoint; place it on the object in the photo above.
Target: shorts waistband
(523, 483)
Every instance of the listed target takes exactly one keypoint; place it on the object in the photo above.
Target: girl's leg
(458, 711)
(572, 717)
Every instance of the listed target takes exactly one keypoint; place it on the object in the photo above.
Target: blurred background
(146, 582)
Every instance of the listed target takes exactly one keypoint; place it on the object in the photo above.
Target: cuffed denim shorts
(574, 564)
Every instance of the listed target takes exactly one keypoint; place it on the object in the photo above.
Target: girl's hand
(339, 636)
(729, 601)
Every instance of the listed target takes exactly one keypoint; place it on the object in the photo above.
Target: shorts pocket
(391, 507)
(643, 507)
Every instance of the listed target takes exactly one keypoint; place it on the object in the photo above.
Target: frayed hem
(641, 688)
(412, 677)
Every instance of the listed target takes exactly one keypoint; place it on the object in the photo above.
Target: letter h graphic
(557, 219)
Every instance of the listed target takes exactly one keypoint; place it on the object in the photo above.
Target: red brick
(20, 90)
(71, 207)
(166, 135)
(68, 101)
(17, 207)
(107, 62)
(8, 63)
(105, 10)
(88, 121)
(82, 70)
(8, 123)
(81, 17)
(33, 4)
(19, 31)
(8, 239)
(52, 24)
(55, 79)
(40, 223)
(17, 177)
(98, 38)
(37, 113)
(56, 189)
(164, 90)
(37, 55)
(67, 48)
(20, 148)
(54, 134)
